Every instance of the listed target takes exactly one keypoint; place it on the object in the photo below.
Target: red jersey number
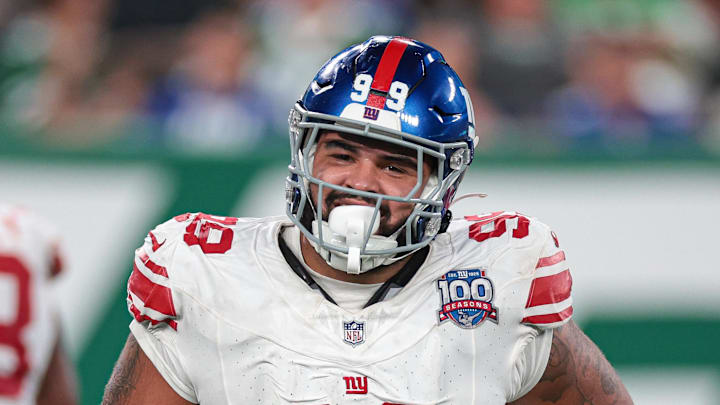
(210, 225)
(500, 226)
(10, 333)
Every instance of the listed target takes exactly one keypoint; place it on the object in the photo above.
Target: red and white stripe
(149, 294)
(549, 302)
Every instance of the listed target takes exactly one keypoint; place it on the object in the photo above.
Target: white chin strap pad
(347, 226)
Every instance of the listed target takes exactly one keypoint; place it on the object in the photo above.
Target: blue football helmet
(396, 90)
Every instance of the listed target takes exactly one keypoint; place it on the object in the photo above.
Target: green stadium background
(641, 235)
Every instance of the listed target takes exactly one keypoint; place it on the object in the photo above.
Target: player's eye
(395, 169)
(341, 156)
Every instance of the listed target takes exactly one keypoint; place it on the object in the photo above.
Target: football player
(367, 291)
(33, 365)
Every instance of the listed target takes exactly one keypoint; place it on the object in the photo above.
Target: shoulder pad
(528, 250)
(491, 234)
(150, 287)
(150, 298)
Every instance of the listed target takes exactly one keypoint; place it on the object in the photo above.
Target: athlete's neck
(317, 263)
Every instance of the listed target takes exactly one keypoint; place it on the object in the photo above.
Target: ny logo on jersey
(356, 385)
(466, 298)
(354, 332)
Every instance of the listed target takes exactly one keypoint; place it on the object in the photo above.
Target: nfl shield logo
(354, 332)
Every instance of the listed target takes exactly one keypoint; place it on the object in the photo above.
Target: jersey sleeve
(530, 364)
(156, 308)
(150, 299)
(160, 346)
(549, 301)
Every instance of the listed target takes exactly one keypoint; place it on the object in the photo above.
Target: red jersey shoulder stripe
(549, 318)
(152, 266)
(153, 295)
(550, 289)
(142, 318)
(550, 260)
(154, 241)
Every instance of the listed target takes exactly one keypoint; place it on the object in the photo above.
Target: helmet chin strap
(347, 226)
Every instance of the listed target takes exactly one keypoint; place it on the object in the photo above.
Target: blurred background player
(33, 365)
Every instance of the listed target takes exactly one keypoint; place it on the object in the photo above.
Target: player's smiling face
(367, 165)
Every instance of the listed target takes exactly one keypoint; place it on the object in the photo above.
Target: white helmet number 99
(397, 94)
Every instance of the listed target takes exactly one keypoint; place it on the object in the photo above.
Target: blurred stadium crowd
(218, 76)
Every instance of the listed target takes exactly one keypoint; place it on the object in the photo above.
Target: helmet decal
(381, 83)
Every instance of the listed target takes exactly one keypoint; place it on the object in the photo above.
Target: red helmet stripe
(389, 62)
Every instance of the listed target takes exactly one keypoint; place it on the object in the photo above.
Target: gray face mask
(348, 240)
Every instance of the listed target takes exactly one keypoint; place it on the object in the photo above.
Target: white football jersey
(225, 320)
(28, 328)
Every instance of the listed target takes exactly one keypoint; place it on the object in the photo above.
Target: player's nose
(364, 176)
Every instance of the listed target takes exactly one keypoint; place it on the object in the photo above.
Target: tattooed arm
(135, 380)
(577, 373)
